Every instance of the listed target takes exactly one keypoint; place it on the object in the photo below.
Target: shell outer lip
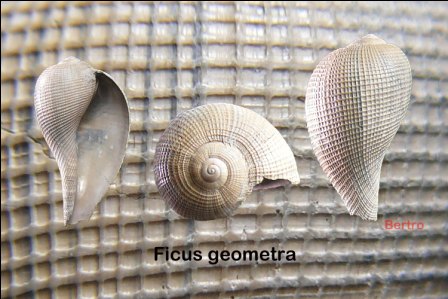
(124, 97)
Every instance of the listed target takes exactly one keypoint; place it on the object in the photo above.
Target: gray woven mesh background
(170, 57)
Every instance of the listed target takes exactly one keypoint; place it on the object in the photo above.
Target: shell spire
(356, 98)
(68, 99)
(211, 157)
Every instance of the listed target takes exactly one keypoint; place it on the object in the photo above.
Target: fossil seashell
(84, 119)
(355, 101)
(211, 157)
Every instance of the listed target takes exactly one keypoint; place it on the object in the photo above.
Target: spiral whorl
(210, 158)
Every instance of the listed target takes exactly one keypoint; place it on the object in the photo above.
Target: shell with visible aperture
(355, 100)
(84, 119)
(211, 157)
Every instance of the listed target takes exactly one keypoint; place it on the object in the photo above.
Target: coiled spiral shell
(356, 98)
(211, 157)
(84, 119)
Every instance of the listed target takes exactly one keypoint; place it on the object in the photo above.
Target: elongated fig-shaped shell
(211, 157)
(84, 119)
(356, 98)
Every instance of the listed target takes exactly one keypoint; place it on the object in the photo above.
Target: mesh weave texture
(171, 57)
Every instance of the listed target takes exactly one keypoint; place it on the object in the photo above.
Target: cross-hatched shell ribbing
(211, 157)
(356, 98)
(62, 95)
(84, 118)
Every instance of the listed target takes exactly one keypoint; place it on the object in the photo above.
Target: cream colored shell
(211, 157)
(84, 119)
(356, 98)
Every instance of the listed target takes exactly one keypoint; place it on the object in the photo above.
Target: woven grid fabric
(170, 57)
